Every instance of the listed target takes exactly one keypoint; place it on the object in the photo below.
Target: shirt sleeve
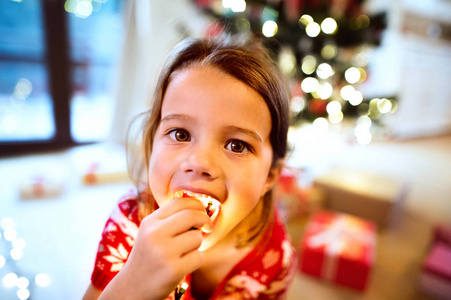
(117, 240)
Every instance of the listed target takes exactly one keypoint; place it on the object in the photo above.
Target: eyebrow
(245, 131)
(175, 117)
(231, 128)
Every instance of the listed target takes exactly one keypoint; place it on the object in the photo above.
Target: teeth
(178, 194)
(181, 193)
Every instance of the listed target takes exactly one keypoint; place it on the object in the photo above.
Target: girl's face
(213, 139)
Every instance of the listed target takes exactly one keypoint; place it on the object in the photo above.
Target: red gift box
(435, 278)
(339, 248)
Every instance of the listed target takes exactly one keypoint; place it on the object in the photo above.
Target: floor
(424, 165)
(62, 233)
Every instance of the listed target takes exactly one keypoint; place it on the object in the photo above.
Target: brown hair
(244, 59)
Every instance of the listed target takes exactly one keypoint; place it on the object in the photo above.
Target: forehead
(209, 92)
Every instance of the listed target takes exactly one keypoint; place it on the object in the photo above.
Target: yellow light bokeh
(305, 20)
(346, 92)
(352, 75)
(363, 134)
(329, 26)
(325, 90)
(384, 106)
(364, 121)
(363, 21)
(324, 71)
(309, 84)
(329, 51)
(362, 74)
(308, 64)
(297, 104)
(337, 118)
(313, 29)
(269, 28)
(356, 98)
(333, 108)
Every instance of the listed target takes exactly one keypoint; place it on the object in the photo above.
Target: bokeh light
(324, 71)
(269, 28)
(346, 92)
(297, 104)
(9, 280)
(329, 26)
(16, 253)
(355, 98)
(363, 134)
(384, 106)
(320, 124)
(325, 90)
(305, 20)
(333, 107)
(23, 294)
(309, 84)
(352, 75)
(22, 282)
(308, 65)
(329, 51)
(364, 121)
(313, 29)
(336, 118)
(42, 279)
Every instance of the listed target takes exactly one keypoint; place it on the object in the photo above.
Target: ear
(273, 175)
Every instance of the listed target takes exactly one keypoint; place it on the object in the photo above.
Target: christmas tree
(321, 46)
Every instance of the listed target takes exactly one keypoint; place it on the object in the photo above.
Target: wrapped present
(442, 234)
(339, 248)
(97, 174)
(435, 277)
(370, 196)
(40, 187)
(292, 198)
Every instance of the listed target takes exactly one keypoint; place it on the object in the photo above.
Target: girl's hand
(165, 251)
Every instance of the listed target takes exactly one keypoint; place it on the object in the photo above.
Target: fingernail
(207, 228)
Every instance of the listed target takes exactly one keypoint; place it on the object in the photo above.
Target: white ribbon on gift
(333, 237)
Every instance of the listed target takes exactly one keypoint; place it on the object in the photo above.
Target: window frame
(59, 68)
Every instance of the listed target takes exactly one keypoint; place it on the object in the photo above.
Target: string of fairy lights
(13, 277)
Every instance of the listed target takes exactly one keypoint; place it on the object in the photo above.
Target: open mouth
(212, 206)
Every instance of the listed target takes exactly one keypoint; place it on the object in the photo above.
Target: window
(57, 68)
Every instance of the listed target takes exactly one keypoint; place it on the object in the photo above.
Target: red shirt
(265, 273)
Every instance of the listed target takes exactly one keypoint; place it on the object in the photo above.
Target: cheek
(158, 177)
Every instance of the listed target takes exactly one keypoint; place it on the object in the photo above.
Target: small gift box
(102, 174)
(435, 277)
(40, 187)
(339, 248)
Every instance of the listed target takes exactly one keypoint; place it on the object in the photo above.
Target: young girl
(214, 142)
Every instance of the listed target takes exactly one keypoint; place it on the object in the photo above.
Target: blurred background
(370, 131)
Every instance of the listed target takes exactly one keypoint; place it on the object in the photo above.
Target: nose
(201, 161)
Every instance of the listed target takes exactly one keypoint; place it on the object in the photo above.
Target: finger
(188, 241)
(186, 220)
(191, 261)
(172, 207)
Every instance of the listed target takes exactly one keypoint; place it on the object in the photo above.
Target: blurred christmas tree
(322, 48)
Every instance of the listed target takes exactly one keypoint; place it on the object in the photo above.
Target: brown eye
(179, 135)
(237, 146)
